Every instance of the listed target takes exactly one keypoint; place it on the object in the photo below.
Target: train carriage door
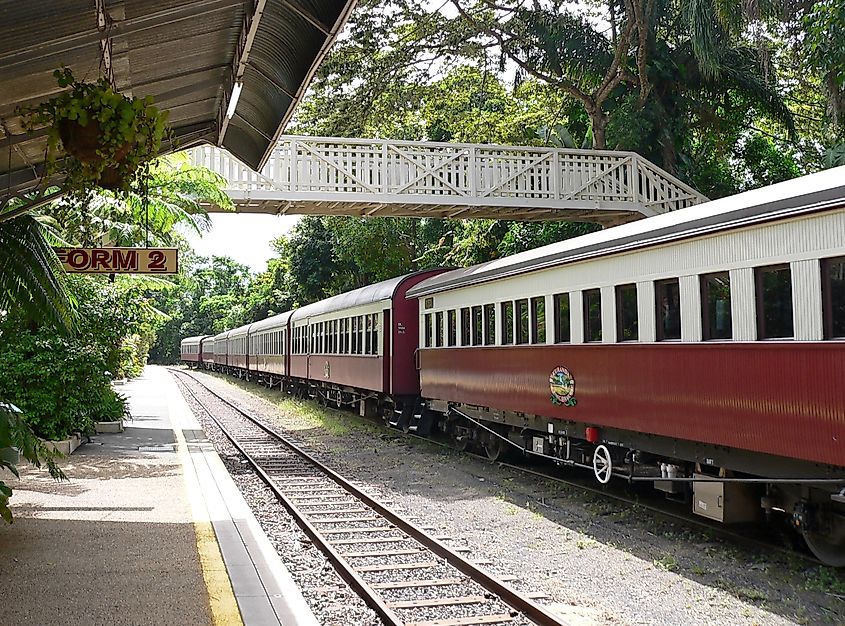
(387, 347)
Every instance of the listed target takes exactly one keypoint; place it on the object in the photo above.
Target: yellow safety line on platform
(224, 606)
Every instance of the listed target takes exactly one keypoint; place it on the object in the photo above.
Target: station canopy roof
(187, 54)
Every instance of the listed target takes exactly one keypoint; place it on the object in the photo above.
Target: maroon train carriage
(699, 350)
(236, 350)
(268, 348)
(207, 353)
(359, 347)
(190, 350)
(221, 351)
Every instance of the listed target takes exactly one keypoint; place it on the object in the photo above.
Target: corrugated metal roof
(800, 194)
(187, 54)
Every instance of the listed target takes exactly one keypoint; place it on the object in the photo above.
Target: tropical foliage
(17, 440)
(108, 139)
(62, 384)
(61, 381)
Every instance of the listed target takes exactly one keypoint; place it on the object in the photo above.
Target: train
(699, 352)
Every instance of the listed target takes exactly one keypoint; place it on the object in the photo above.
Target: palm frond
(742, 69)
(31, 277)
(705, 35)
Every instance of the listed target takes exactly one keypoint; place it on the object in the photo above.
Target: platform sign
(119, 260)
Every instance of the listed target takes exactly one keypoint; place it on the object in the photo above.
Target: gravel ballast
(598, 561)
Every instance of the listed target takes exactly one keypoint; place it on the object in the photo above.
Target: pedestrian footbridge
(373, 177)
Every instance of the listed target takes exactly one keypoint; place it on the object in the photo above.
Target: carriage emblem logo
(562, 385)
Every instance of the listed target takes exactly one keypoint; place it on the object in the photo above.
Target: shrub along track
(404, 574)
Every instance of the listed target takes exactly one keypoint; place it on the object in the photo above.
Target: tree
(31, 277)
(208, 297)
(175, 196)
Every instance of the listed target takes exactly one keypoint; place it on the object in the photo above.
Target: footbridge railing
(337, 176)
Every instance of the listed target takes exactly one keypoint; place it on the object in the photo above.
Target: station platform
(150, 529)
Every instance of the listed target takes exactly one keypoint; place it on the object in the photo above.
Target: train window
(522, 321)
(562, 318)
(774, 302)
(538, 320)
(465, 326)
(626, 313)
(716, 306)
(368, 334)
(451, 328)
(592, 315)
(354, 349)
(428, 330)
(438, 329)
(360, 334)
(833, 293)
(507, 323)
(375, 333)
(668, 303)
(489, 324)
(477, 326)
(336, 337)
(347, 336)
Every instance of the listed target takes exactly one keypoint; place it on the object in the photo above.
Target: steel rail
(511, 597)
(688, 519)
(370, 597)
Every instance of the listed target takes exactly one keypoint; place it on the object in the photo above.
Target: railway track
(762, 545)
(407, 576)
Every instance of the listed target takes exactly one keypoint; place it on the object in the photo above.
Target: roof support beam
(239, 63)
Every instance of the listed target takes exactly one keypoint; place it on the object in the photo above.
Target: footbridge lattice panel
(336, 176)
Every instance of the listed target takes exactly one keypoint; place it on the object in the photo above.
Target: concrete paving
(148, 530)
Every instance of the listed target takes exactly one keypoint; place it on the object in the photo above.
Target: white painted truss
(338, 176)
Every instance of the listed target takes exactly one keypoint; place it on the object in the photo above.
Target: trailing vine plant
(108, 140)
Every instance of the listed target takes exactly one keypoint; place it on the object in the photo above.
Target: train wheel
(462, 439)
(495, 447)
(826, 538)
(602, 464)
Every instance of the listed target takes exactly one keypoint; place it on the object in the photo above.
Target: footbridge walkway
(338, 176)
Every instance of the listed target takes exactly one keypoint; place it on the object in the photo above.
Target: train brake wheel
(602, 464)
(827, 538)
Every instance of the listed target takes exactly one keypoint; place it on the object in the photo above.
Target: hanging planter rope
(107, 138)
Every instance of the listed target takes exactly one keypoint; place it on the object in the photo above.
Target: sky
(244, 237)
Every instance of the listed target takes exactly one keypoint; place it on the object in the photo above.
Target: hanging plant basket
(84, 142)
(106, 138)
